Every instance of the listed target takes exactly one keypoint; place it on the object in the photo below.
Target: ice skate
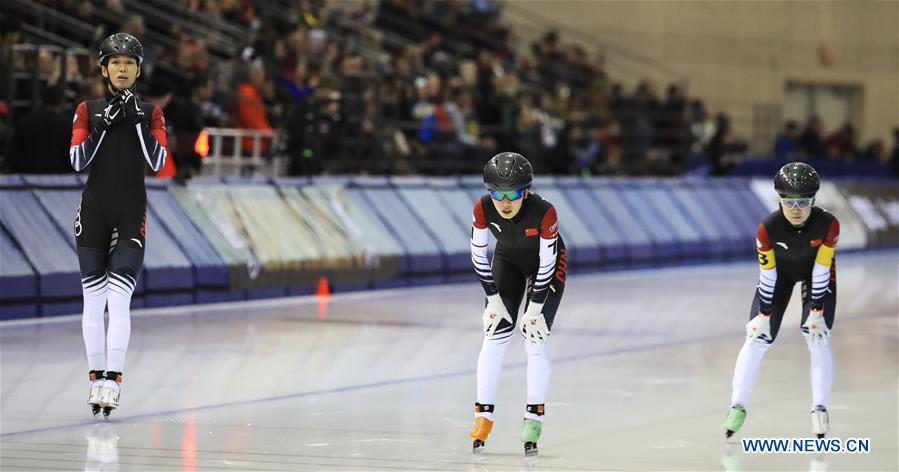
(109, 393)
(735, 418)
(93, 399)
(479, 433)
(820, 421)
(530, 434)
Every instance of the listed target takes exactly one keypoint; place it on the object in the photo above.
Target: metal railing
(228, 158)
(35, 77)
(49, 19)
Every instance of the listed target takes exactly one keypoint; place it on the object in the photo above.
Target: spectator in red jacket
(251, 108)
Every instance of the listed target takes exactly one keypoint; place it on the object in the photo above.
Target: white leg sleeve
(120, 290)
(92, 323)
(822, 371)
(490, 363)
(747, 370)
(538, 375)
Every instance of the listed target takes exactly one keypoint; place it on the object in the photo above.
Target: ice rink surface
(642, 364)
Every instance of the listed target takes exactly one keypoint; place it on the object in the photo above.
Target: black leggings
(782, 292)
(513, 285)
(110, 236)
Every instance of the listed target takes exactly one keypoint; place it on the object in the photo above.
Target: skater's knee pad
(540, 348)
(92, 262)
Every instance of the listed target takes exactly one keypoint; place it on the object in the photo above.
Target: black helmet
(121, 44)
(797, 178)
(508, 171)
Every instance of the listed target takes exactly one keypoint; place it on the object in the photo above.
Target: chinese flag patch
(530, 231)
(814, 243)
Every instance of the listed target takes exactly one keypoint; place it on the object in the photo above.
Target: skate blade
(728, 434)
(530, 449)
(478, 446)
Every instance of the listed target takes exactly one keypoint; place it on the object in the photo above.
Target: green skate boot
(735, 418)
(530, 434)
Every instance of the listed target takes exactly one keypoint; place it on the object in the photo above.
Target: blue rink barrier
(671, 216)
(221, 240)
(737, 235)
(424, 261)
(689, 205)
(609, 237)
(341, 213)
(169, 274)
(582, 245)
(209, 274)
(636, 200)
(18, 281)
(459, 204)
(640, 248)
(43, 245)
(437, 221)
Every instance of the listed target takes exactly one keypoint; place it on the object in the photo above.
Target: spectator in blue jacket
(786, 144)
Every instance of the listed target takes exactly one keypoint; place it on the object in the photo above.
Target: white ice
(642, 364)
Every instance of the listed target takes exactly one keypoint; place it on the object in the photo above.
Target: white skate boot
(109, 392)
(820, 421)
(96, 379)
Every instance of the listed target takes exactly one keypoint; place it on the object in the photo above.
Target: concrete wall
(738, 53)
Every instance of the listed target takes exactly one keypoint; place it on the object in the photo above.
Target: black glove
(131, 106)
(112, 114)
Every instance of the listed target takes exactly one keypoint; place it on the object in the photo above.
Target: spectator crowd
(400, 86)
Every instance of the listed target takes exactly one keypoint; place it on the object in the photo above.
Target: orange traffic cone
(323, 289)
(323, 294)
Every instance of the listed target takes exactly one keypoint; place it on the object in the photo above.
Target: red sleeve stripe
(549, 227)
(833, 234)
(761, 239)
(84, 145)
(479, 220)
(80, 125)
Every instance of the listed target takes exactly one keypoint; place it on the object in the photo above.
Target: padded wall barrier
(218, 240)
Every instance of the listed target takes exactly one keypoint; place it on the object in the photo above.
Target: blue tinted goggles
(797, 202)
(512, 195)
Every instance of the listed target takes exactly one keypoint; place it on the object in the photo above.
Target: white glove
(759, 327)
(533, 324)
(494, 314)
(817, 327)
